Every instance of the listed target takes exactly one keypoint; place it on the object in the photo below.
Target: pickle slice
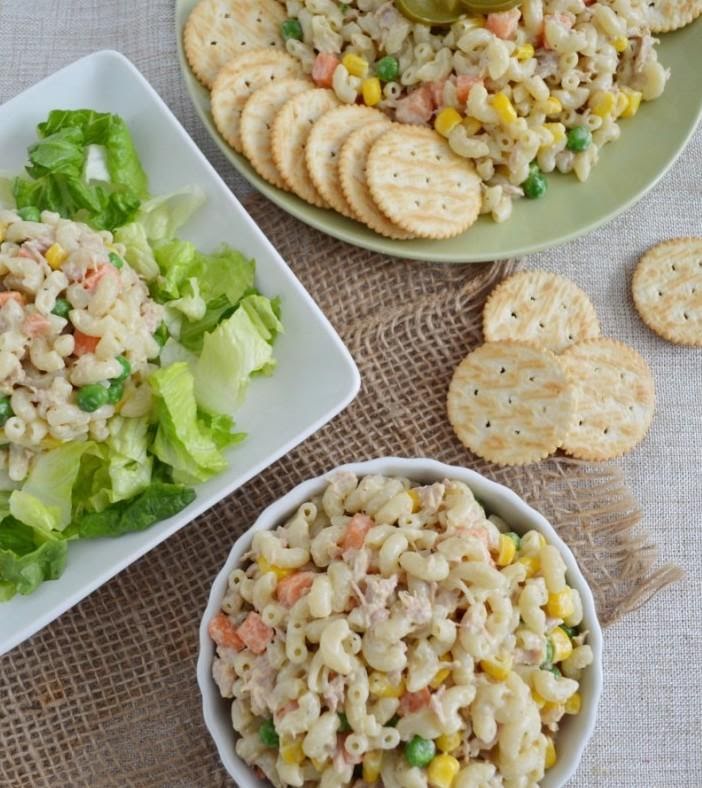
(489, 6)
(431, 12)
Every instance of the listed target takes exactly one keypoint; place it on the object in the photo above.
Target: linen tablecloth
(649, 730)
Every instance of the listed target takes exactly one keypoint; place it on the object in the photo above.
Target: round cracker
(217, 30)
(421, 184)
(352, 176)
(664, 16)
(256, 125)
(291, 129)
(615, 398)
(324, 146)
(238, 80)
(539, 307)
(510, 402)
(667, 290)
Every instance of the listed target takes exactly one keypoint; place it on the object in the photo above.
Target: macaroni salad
(392, 634)
(538, 88)
(76, 334)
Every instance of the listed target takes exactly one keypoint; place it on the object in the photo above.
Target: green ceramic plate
(628, 168)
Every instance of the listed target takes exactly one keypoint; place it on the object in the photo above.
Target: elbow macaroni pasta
(393, 621)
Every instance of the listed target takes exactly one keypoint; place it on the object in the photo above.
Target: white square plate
(315, 379)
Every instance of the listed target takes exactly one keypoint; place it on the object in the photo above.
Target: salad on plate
(124, 350)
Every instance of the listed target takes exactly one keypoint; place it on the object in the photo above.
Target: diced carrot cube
(12, 295)
(222, 631)
(503, 24)
(464, 85)
(292, 587)
(84, 343)
(255, 634)
(323, 69)
(356, 531)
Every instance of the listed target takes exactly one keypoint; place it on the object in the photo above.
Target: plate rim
(201, 504)
(378, 244)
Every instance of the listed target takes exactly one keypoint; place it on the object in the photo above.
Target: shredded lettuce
(27, 558)
(138, 251)
(182, 440)
(230, 355)
(162, 216)
(57, 163)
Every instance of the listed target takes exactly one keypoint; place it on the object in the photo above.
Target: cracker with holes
(291, 130)
(667, 290)
(352, 177)
(239, 79)
(510, 402)
(419, 183)
(539, 307)
(217, 30)
(256, 125)
(664, 16)
(324, 145)
(615, 398)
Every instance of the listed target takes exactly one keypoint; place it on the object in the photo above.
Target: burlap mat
(107, 696)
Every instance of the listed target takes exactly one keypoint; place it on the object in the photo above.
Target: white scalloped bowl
(575, 732)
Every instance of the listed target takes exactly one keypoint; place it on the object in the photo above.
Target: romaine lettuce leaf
(162, 216)
(182, 440)
(129, 466)
(138, 252)
(230, 355)
(45, 500)
(27, 558)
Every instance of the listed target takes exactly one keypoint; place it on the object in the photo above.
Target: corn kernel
(442, 771)
(508, 550)
(265, 566)
(525, 52)
(621, 43)
(472, 126)
(380, 686)
(560, 605)
(440, 678)
(503, 107)
(497, 668)
(602, 103)
(355, 65)
(55, 256)
(372, 761)
(549, 708)
(622, 103)
(557, 130)
(447, 120)
(562, 647)
(538, 700)
(416, 500)
(573, 704)
(633, 102)
(320, 766)
(371, 91)
(448, 742)
(292, 753)
(531, 562)
(550, 757)
(552, 106)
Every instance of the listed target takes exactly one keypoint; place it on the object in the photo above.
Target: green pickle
(446, 12)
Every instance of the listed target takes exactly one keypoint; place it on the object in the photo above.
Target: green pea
(61, 307)
(515, 538)
(387, 68)
(115, 392)
(548, 661)
(30, 214)
(92, 397)
(161, 334)
(570, 631)
(579, 138)
(535, 185)
(268, 735)
(291, 28)
(419, 752)
(115, 259)
(5, 410)
(126, 369)
(344, 726)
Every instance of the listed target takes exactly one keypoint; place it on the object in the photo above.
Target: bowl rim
(412, 468)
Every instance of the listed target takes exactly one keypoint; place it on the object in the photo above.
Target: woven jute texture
(106, 696)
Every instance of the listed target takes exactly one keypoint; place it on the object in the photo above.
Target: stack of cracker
(401, 181)
(545, 379)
